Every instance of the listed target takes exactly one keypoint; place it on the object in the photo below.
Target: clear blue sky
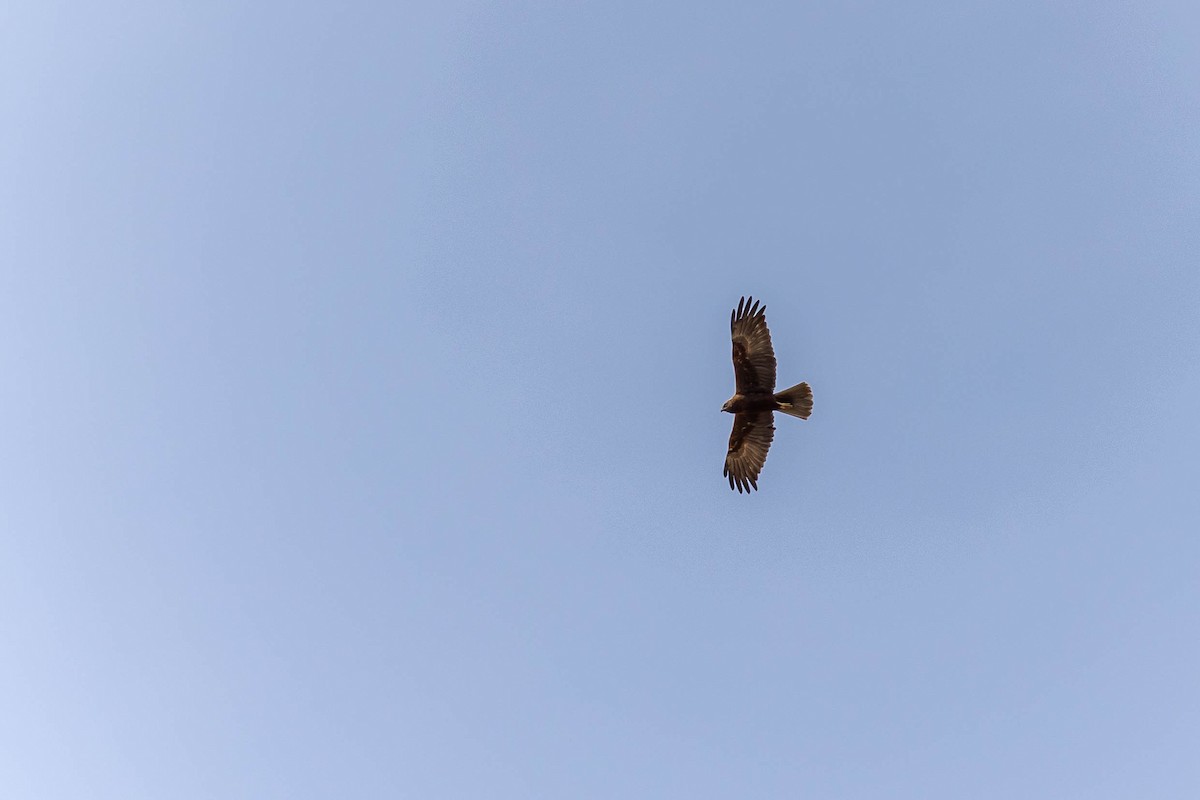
(361, 374)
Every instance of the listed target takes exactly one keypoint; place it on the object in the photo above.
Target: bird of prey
(755, 399)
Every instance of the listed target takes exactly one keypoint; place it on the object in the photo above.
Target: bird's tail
(796, 401)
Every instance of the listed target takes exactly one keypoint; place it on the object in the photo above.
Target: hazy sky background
(362, 367)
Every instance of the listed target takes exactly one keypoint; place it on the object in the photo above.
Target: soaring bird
(755, 400)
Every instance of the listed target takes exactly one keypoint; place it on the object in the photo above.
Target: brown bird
(755, 401)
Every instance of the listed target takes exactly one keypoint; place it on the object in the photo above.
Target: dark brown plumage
(755, 399)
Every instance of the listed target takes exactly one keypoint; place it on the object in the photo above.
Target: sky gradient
(363, 372)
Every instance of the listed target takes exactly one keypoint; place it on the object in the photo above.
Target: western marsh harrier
(755, 401)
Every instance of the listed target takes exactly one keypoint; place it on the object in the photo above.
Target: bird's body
(751, 402)
(755, 399)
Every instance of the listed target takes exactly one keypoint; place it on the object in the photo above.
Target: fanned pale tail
(796, 401)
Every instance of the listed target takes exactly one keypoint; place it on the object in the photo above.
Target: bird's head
(729, 404)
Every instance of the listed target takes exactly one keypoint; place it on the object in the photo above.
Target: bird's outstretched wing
(753, 356)
(748, 445)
